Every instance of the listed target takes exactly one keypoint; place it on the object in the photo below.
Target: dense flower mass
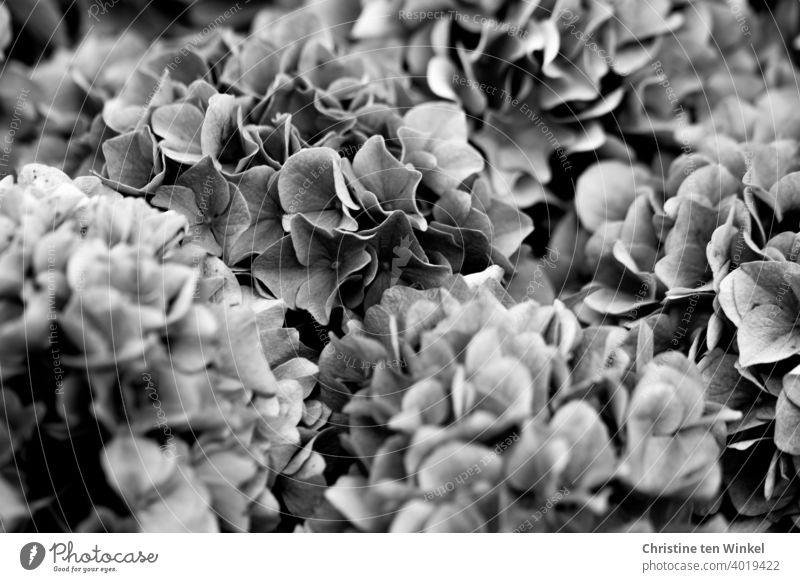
(139, 337)
(482, 417)
(709, 254)
(400, 266)
(320, 155)
(544, 76)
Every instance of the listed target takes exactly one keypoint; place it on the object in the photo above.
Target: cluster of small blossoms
(708, 256)
(133, 339)
(497, 412)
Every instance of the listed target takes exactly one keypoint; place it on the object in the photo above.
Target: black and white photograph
(399, 266)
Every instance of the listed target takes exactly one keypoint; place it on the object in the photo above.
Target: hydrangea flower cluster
(275, 269)
(139, 338)
(707, 255)
(64, 61)
(513, 418)
(544, 76)
(327, 185)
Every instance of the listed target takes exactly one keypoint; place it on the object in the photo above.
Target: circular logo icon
(31, 555)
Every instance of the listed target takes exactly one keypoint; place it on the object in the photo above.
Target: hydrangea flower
(151, 339)
(720, 242)
(667, 418)
(302, 172)
(480, 416)
(542, 76)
